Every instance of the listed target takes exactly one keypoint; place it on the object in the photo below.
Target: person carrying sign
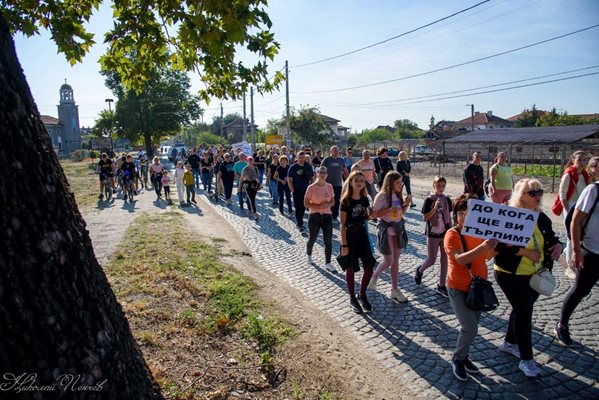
(514, 267)
(467, 255)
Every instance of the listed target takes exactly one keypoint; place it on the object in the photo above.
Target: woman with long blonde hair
(389, 207)
(514, 267)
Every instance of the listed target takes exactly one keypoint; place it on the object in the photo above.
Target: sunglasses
(535, 193)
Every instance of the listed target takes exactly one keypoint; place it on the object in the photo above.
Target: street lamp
(471, 116)
(109, 101)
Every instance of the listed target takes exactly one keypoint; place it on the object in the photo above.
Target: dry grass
(197, 320)
(83, 181)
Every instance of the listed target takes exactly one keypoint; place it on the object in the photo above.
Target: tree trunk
(149, 147)
(60, 323)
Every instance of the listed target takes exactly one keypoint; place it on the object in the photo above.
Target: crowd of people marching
(346, 193)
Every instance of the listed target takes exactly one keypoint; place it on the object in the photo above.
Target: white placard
(509, 225)
(244, 146)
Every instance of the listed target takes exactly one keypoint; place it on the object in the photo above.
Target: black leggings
(315, 222)
(251, 193)
(157, 183)
(406, 182)
(586, 278)
(522, 299)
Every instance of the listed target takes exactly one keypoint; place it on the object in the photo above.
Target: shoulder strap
(469, 265)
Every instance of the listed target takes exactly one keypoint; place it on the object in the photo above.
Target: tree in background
(162, 108)
(407, 129)
(375, 135)
(528, 117)
(104, 125)
(215, 127)
(57, 311)
(308, 127)
(557, 118)
(198, 133)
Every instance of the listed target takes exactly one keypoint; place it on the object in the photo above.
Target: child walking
(354, 238)
(437, 215)
(166, 184)
(189, 184)
(179, 171)
(389, 207)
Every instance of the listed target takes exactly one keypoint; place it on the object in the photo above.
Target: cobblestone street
(416, 339)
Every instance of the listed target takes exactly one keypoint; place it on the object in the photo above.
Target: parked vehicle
(422, 150)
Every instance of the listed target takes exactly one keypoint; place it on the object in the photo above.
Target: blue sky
(310, 30)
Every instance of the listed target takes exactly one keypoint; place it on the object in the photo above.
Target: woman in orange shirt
(463, 262)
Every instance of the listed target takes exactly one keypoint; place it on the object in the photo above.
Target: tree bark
(58, 315)
(149, 147)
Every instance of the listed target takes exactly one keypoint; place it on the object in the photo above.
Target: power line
(500, 90)
(455, 65)
(389, 39)
(476, 88)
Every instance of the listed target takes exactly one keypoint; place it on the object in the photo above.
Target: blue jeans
(207, 181)
(274, 190)
(196, 176)
(260, 175)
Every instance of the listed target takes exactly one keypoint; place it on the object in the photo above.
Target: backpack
(557, 204)
(569, 216)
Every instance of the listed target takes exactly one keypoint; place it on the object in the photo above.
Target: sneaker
(194, 201)
(442, 290)
(355, 305)
(397, 296)
(135, 192)
(329, 267)
(365, 303)
(373, 283)
(113, 191)
(570, 273)
(101, 196)
(530, 368)
(458, 369)
(469, 366)
(301, 229)
(412, 205)
(418, 275)
(310, 260)
(563, 334)
(510, 349)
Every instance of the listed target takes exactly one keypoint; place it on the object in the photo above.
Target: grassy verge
(83, 181)
(546, 171)
(197, 320)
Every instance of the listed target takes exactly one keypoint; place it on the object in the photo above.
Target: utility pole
(222, 120)
(109, 101)
(288, 128)
(253, 129)
(245, 128)
(471, 116)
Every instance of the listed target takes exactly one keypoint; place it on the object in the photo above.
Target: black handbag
(345, 262)
(481, 296)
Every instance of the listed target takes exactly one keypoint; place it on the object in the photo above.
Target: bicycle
(128, 187)
(105, 180)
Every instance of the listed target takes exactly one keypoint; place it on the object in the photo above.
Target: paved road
(416, 339)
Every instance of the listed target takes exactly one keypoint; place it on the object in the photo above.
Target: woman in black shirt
(354, 238)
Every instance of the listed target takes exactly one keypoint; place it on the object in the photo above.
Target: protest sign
(509, 225)
(244, 146)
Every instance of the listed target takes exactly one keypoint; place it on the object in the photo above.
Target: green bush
(94, 154)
